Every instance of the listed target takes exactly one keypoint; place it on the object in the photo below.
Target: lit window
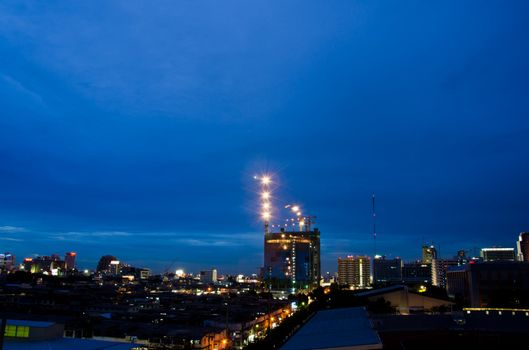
(17, 331)
(22, 332)
(11, 331)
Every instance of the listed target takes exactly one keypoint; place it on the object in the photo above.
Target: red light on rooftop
(28, 259)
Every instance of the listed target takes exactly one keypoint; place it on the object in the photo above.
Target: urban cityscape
(256, 175)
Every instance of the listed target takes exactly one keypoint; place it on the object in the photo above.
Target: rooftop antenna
(374, 227)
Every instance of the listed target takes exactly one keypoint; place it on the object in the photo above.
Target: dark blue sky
(134, 129)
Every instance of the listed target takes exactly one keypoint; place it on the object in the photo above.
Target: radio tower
(374, 227)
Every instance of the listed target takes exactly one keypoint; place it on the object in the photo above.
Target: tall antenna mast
(374, 226)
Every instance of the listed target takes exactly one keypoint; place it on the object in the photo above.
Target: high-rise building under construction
(292, 259)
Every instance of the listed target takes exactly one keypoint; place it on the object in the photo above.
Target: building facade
(355, 271)
(490, 284)
(417, 272)
(523, 246)
(498, 254)
(7, 262)
(208, 276)
(428, 254)
(292, 259)
(439, 269)
(387, 271)
(69, 260)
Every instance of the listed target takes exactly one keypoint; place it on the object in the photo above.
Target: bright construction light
(266, 205)
(265, 195)
(298, 213)
(265, 180)
(295, 208)
(266, 215)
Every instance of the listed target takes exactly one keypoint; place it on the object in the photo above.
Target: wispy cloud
(87, 236)
(10, 239)
(12, 229)
(208, 242)
(18, 86)
(99, 234)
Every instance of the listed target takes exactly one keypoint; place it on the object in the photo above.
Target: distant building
(439, 269)
(104, 263)
(48, 265)
(115, 267)
(292, 259)
(354, 271)
(417, 272)
(69, 260)
(137, 272)
(490, 284)
(523, 246)
(7, 262)
(387, 270)
(208, 276)
(461, 257)
(498, 254)
(428, 254)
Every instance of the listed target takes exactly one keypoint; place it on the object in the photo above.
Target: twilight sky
(134, 128)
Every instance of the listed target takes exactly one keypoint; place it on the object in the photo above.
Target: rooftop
(66, 344)
(28, 323)
(348, 328)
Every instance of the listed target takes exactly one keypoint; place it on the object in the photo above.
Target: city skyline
(135, 131)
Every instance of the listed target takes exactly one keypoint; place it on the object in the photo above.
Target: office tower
(208, 276)
(498, 254)
(428, 253)
(387, 270)
(439, 269)
(523, 246)
(69, 260)
(292, 259)
(354, 271)
(417, 272)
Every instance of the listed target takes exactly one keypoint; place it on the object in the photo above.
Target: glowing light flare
(265, 195)
(266, 215)
(265, 180)
(295, 208)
